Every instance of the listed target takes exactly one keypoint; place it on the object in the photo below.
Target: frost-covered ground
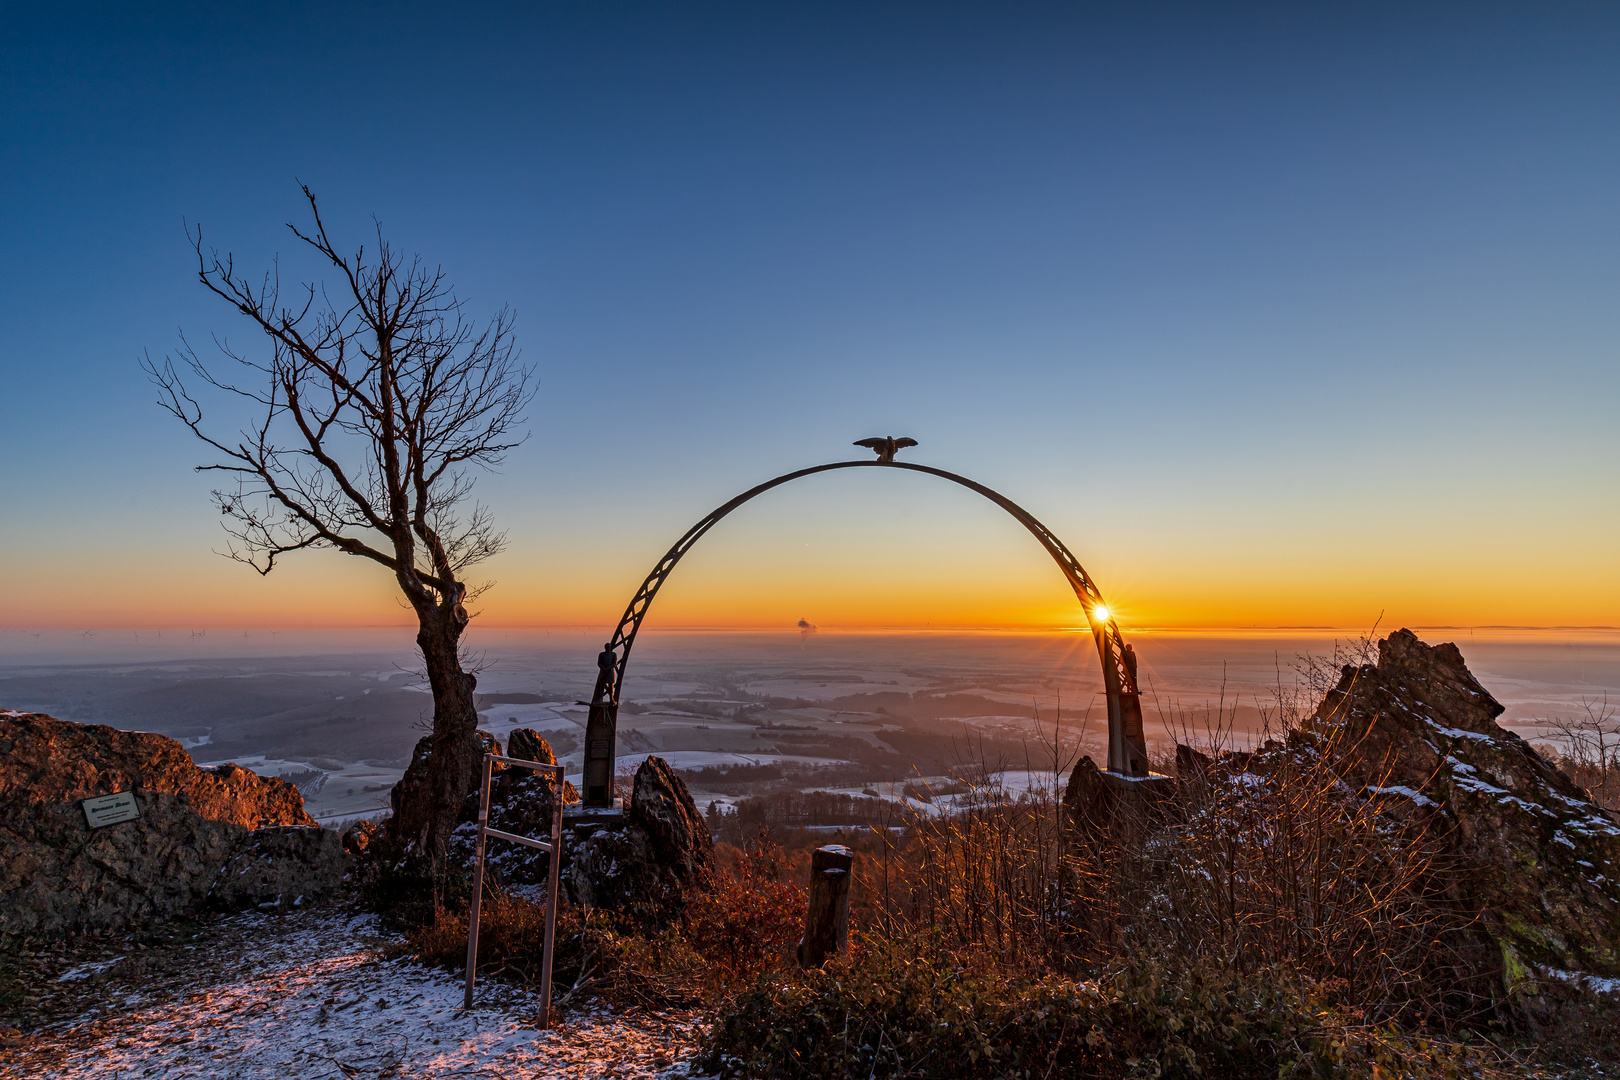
(311, 995)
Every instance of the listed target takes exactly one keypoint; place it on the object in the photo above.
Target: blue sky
(1277, 313)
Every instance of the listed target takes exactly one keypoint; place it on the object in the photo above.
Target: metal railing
(552, 848)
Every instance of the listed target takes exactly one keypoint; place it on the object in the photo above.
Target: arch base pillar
(601, 732)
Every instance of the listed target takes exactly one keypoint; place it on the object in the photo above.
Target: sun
(1099, 613)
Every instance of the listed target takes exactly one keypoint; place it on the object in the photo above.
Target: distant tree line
(786, 810)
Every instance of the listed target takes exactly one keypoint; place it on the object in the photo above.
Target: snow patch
(1401, 789)
(324, 1003)
(1595, 983)
(84, 971)
(1456, 733)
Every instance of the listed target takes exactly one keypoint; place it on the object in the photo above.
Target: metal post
(1117, 755)
(553, 849)
(478, 879)
(551, 897)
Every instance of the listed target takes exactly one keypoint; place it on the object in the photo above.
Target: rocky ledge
(222, 838)
(1535, 857)
(1519, 851)
(641, 860)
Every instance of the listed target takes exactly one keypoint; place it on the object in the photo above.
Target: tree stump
(826, 918)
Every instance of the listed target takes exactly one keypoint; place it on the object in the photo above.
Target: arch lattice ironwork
(1127, 751)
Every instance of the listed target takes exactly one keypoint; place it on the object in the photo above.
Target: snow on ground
(697, 759)
(317, 1000)
(501, 720)
(356, 790)
(1033, 782)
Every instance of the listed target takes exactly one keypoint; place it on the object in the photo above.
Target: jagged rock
(59, 875)
(520, 802)
(1196, 767)
(661, 805)
(359, 836)
(1192, 765)
(614, 867)
(46, 760)
(1088, 801)
(645, 864)
(413, 791)
(1528, 860)
(530, 745)
(281, 867)
(1100, 805)
(1538, 860)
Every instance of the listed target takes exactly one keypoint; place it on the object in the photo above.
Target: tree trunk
(444, 769)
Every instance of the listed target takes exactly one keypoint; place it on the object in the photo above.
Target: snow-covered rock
(644, 863)
(1536, 858)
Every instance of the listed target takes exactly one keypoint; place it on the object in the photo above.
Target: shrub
(749, 919)
(891, 1013)
(742, 923)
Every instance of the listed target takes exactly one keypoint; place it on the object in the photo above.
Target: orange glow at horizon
(328, 590)
(915, 561)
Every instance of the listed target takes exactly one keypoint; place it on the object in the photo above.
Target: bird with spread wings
(885, 448)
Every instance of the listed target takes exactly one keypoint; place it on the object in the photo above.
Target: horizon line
(1053, 628)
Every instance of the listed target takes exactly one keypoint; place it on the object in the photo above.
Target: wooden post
(826, 918)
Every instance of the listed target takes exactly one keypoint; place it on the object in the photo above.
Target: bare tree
(1590, 750)
(371, 404)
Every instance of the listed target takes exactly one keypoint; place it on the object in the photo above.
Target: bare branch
(371, 409)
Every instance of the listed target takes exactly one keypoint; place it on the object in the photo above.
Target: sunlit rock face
(59, 875)
(1530, 851)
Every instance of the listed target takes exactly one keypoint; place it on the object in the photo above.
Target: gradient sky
(1278, 314)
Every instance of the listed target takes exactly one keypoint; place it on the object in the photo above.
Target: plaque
(111, 809)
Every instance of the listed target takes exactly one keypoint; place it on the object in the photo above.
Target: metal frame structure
(1127, 746)
(553, 848)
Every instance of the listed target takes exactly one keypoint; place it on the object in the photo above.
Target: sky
(1277, 314)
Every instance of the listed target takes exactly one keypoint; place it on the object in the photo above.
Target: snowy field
(311, 996)
(338, 712)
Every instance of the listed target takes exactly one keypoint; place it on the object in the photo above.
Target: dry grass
(1283, 871)
(743, 922)
(1590, 751)
(1274, 917)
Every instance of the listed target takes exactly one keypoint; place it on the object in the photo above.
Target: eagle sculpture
(885, 448)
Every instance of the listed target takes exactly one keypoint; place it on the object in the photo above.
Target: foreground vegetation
(926, 992)
(1280, 928)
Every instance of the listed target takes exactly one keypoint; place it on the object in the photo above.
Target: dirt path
(310, 995)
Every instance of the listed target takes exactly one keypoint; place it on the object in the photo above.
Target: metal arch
(1127, 751)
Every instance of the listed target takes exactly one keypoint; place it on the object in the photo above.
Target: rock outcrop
(661, 806)
(280, 866)
(415, 790)
(640, 861)
(1526, 863)
(1536, 858)
(645, 864)
(59, 875)
(1099, 805)
(520, 802)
